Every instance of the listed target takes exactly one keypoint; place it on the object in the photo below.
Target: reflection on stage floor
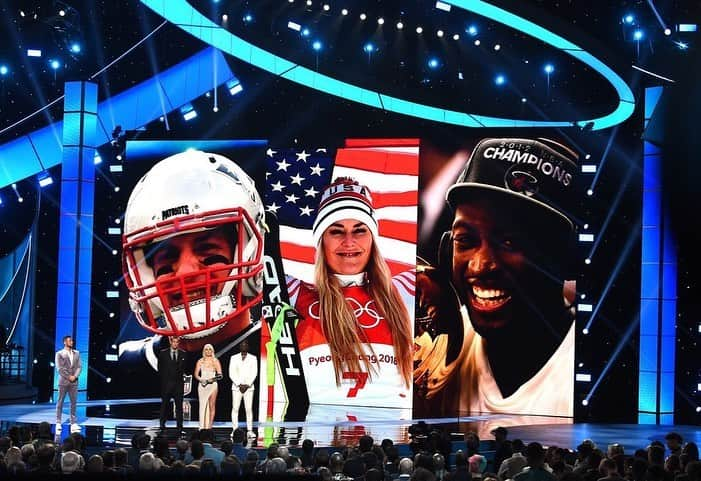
(114, 423)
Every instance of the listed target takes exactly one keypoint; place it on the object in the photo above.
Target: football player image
(355, 333)
(500, 301)
(192, 253)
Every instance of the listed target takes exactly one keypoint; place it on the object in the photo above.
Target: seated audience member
(510, 467)
(324, 474)
(423, 474)
(197, 452)
(307, 454)
(478, 464)
(121, 461)
(94, 464)
(691, 450)
(226, 447)
(230, 467)
(321, 459)
(354, 468)
(472, 443)
(45, 458)
(275, 466)
(608, 469)
(502, 447)
(638, 469)
(655, 455)
(406, 469)
(692, 472)
(207, 438)
(374, 474)
(181, 448)
(208, 469)
(162, 451)
(462, 471)
(149, 463)
(674, 442)
(71, 462)
(250, 465)
(239, 441)
(439, 466)
(535, 458)
(673, 464)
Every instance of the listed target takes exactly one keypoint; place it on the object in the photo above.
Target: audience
(23, 452)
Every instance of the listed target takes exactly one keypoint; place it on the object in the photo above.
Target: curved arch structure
(189, 19)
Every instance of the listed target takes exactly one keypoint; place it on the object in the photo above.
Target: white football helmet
(187, 193)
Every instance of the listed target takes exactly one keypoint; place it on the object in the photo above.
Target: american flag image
(296, 177)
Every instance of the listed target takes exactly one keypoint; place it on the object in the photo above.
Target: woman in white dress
(207, 372)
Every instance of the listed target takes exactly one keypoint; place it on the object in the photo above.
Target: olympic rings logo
(358, 310)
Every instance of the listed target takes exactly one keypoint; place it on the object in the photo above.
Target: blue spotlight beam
(621, 344)
(134, 108)
(621, 260)
(185, 16)
(603, 158)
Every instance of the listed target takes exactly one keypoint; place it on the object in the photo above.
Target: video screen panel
(495, 284)
(457, 307)
(347, 243)
(178, 190)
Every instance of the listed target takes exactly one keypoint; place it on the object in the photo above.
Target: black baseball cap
(537, 174)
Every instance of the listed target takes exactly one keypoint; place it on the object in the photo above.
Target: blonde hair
(340, 326)
(205, 348)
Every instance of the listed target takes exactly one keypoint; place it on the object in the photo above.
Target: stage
(112, 423)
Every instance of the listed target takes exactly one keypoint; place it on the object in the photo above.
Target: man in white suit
(69, 366)
(243, 369)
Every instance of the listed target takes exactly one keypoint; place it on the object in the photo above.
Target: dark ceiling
(398, 65)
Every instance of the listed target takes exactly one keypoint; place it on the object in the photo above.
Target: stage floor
(114, 422)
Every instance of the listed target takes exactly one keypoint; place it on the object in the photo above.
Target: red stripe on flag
(378, 161)
(405, 231)
(395, 199)
(382, 142)
(296, 252)
(399, 267)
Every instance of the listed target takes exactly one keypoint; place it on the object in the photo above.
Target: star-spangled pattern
(295, 181)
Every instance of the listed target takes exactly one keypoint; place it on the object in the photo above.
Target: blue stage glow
(629, 19)
(681, 45)
(472, 30)
(316, 45)
(500, 80)
(189, 19)
(55, 64)
(248, 18)
(433, 63)
(4, 70)
(638, 34)
(549, 68)
(305, 32)
(369, 47)
(75, 48)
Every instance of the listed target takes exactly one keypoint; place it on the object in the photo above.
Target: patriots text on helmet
(555, 170)
(179, 210)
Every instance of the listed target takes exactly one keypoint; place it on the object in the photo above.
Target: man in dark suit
(171, 361)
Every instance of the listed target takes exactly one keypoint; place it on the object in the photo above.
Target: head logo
(522, 182)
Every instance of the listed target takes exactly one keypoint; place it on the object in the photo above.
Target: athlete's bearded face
(493, 269)
(347, 245)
